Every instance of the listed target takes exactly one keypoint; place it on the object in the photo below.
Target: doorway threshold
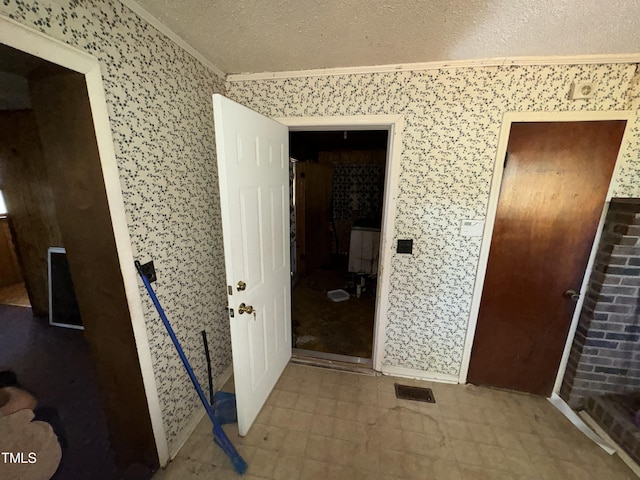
(334, 361)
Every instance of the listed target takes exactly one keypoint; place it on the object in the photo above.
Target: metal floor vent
(419, 394)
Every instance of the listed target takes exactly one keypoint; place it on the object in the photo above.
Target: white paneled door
(253, 170)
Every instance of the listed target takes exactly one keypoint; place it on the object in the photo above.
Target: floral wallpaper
(159, 101)
(452, 122)
(160, 108)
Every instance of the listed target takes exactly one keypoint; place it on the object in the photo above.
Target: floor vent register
(419, 394)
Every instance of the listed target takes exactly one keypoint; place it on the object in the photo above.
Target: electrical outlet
(405, 246)
(149, 271)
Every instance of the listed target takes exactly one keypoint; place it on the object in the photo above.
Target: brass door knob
(245, 308)
(572, 294)
(241, 286)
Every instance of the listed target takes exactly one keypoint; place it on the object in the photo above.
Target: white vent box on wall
(364, 250)
(582, 91)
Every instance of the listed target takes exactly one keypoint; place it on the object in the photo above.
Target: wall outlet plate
(472, 228)
(149, 271)
(405, 246)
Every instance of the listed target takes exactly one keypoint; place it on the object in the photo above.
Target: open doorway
(12, 288)
(338, 182)
(52, 181)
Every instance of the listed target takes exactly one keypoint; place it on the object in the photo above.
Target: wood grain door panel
(553, 190)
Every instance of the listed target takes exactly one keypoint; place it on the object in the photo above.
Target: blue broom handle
(218, 434)
(176, 343)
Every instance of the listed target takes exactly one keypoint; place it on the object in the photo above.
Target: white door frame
(394, 124)
(496, 182)
(33, 42)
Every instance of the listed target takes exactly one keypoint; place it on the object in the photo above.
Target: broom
(219, 437)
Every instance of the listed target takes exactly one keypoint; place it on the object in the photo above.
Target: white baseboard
(223, 378)
(635, 468)
(419, 374)
(186, 432)
(197, 415)
(574, 418)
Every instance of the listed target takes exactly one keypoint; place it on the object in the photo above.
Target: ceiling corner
(143, 13)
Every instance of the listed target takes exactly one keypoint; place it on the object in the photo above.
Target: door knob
(241, 286)
(572, 294)
(245, 308)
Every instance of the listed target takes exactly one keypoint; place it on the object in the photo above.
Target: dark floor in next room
(321, 325)
(55, 366)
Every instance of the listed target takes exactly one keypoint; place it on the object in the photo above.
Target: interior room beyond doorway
(338, 180)
(52, 179)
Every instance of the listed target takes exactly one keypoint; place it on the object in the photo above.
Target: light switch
(471, 228)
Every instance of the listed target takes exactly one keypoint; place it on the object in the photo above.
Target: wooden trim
(579, 423)
(419, 374)
(440, 65)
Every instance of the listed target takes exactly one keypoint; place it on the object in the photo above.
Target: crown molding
(162, 28)
(452, 64)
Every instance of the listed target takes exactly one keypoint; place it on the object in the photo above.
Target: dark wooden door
(553, 190)
(314, 188)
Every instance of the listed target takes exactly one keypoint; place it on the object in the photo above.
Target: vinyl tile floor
(332, 425)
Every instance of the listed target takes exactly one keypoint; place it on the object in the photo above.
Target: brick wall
(605, 356)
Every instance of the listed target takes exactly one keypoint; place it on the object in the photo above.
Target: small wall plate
(582, 91)
(149, 271)
(405, 246)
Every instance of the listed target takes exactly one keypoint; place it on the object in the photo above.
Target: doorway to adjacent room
(61, 189)
(337, 201)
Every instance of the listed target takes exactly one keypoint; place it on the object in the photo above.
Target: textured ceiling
(248, 36)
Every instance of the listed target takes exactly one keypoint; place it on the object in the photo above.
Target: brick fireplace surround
(603, 372)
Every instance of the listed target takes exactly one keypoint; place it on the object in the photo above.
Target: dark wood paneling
(301, 223)
(9, 268)
(27, 191)
(553, 190)
(64, 118)
(353, 157)
(306, 146)
(318, 181)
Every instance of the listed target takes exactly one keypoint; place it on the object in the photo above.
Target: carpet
(54, 364)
